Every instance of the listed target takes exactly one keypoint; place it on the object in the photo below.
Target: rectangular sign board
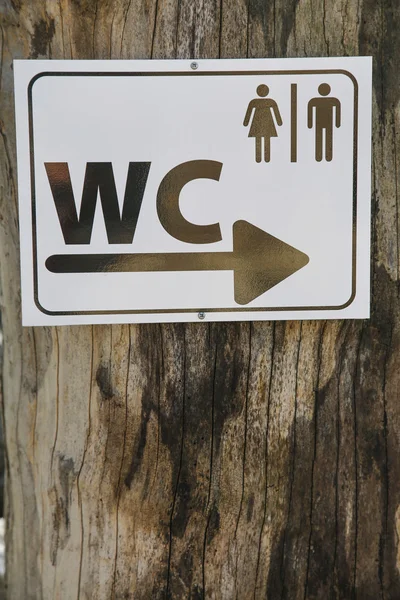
(155, 191)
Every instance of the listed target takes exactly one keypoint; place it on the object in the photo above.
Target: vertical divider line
(293, 122)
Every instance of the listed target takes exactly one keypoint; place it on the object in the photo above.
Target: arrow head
(261, 261)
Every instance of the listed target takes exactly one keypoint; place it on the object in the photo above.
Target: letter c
(168, 209)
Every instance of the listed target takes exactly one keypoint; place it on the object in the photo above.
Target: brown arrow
(259, 262)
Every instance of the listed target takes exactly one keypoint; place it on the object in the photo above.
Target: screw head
(194, 65)
(202, 315)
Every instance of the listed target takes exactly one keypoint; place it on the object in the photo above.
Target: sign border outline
(192, 74)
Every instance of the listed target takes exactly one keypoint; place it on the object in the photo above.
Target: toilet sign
(154, 191)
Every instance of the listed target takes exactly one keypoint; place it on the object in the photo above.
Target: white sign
(155, 191)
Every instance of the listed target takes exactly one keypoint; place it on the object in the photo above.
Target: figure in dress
(263, 124)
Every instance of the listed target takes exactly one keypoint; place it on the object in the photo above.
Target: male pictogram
(263, 125)
(323, 121)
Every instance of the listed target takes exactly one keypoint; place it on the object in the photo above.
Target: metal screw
(202, 315)
(194, 65)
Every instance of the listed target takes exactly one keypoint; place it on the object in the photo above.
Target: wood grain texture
(224, 461)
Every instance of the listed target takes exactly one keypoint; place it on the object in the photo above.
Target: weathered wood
(208, 460)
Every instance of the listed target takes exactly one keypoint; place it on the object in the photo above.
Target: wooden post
(248, 460)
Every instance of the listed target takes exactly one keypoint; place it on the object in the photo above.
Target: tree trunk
(244, 460)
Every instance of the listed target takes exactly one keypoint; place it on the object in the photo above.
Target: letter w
(99, 178)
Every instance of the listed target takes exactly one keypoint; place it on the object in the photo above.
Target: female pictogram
(263, 125)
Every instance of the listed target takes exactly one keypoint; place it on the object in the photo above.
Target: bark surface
(247, 460)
